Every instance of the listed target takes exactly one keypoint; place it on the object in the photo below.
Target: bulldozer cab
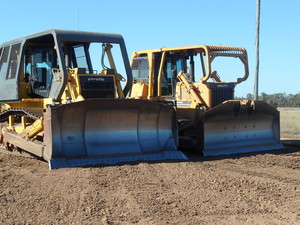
(41, 65)
(163, 75)
(199, 65)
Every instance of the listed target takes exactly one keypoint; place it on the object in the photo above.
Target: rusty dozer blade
(108, 131)
(232, 127)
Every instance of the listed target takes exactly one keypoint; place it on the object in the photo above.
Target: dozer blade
(108, 131)
(231, 128)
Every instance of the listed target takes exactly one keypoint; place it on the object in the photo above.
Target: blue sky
(157, 23)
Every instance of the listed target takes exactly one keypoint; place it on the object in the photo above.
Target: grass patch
(289, 122)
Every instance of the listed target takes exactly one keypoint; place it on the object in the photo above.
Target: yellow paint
(197, 93)
(23, 122)
(139, 90)
(11, 120)
(37, 127)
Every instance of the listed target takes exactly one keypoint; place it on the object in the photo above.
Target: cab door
(169, 77)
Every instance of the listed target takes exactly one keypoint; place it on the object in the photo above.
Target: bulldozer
(210, 120)
(57, 105)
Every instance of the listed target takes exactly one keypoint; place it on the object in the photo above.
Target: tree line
(278, 99)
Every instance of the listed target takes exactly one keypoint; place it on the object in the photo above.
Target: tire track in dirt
(139, 192)
(273, 187)
(262, 168)
(248, 189)
(161, 194)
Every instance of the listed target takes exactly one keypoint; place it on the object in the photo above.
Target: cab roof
(68, 35)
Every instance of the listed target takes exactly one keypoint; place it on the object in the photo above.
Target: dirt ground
(262, 188)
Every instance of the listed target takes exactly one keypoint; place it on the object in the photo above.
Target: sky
(169, 23)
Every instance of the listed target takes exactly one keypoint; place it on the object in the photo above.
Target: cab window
(140, 69)
(13, 61)
(38, 69)
(4, 63)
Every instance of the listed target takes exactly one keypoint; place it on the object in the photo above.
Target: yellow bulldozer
(57, 105)
(210, 120)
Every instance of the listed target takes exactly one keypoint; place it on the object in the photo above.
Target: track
(242, 189)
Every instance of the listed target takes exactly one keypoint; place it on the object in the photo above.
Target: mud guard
(231, 128)
(107, 131)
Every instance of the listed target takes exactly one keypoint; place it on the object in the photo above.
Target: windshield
(93, 58)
